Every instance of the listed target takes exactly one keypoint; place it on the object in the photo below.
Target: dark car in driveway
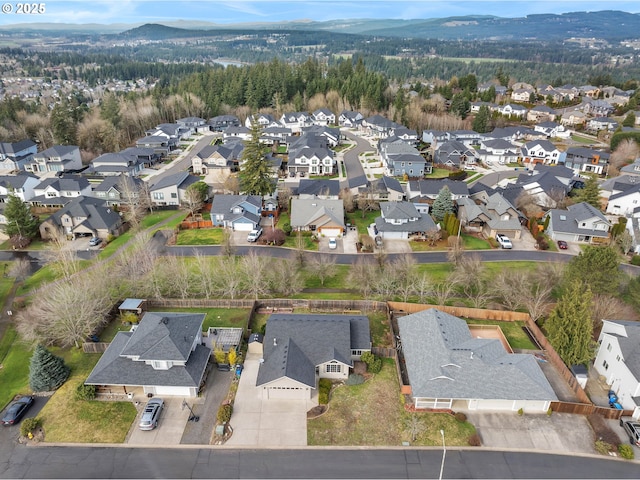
(17, 410)
(562, 245)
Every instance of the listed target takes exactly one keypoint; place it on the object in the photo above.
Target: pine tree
(597, 267)
(590, 193)
(442, 204)
(47, 372)
(481, 122)
(255, 172)
(20, 222)
(569, 327)
(629, 120)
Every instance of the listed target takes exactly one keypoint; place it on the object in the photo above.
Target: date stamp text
(24, 8)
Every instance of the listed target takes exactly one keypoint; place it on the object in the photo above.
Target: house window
(174, 195)
(356, 353)
(608, 347)
(333, 368)
(605, 365)
(617, 358)
(158, 196)
(583, 224)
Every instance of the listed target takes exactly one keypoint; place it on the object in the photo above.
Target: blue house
(238, 212)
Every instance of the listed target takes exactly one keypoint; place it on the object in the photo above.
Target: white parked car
(504, 241)
(254, 235)
(333, 244)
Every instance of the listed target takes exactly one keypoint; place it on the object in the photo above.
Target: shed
(225, 338)
(581, 373)
(135, 305)
(255, 343)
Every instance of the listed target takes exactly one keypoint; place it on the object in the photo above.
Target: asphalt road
(220, 462)
(351, 157)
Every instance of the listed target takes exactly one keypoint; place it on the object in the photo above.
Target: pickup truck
(504, 241)
(254, 235)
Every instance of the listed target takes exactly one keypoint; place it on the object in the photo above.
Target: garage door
(173, 391)
(331, 232)
(243, 227)
(288, 393)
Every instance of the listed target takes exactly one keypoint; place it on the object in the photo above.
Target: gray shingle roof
(630, 345)
(319, 186)
(444, 361)
(98, 215)
(308, 340)
(305, 212)
(569, 220)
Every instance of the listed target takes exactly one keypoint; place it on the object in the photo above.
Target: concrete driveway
(259, 422)
(560, 433)
(170, 427)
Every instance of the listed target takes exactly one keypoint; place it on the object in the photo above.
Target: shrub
(542, 243)
(224, 413)
(461, 417)
(85, 392)
(521, 412)
(635, 260)
(626, 451)
(354, 379)
(374, 364)
(324, 388)
(474, 440)
(219, 355)
(549, 412)
(29, 425)
(367, 357)
(603, 448)
(286, 228)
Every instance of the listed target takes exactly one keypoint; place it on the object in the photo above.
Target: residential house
(573, 118)
(602, 123)
(495, 215)
(299, 349)
(237, 212)
(325, 217)
(147, 156)
(21, 185)
(384, 188)
(164, 355)
(83, 216)
(318, 188)
(632, 169)
(541, 113)
(435, 137)
(324, 117)
(547, 186)
(170, 190)
(221, 122)
(476, 106)
(616, 96)
(624, 199)
(116, 164)
(587, 160)
(274, 135)
(511, 134)
(225, 157)
(589, 91)
(332, 135)
(58, 191)
(598, 108)
(511, 110)
(401, 220)
(522, 94)
(400, 158)
(408, 135)
(540, 151)
(16, 155)
(296, 121)
(449, 367)
(468, 138)
(58, 158)
(429, 189)
(194, 124)
(160, 145)
(455, 154)
(173, 132)
(379, 126)
(350, 119)
(552, 129)
(580, 223)
(618, 361)
(240, 133)
(116, 191)
(311, 161)
(263, 119)
(498, 151)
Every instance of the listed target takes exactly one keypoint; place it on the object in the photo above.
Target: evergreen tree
(481, 122)
(597, 267)
(20, 222)
(255, 172)
(442, 204)
(569, 327)
(47, 372)
(590, 193)
(629, 120)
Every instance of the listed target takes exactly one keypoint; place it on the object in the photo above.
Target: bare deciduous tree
(254, 274)
(366, 200)
(135, 201)
(528, 204)
(625, 242)
(284, 279)
(228, 245)
(505, 288)
(626, 152)
(20, 269)
(284, 195)
(347, 199)
(229, 277)
(443, 291)
(322, 267)
(470, 278)
(61, 256)
(607, 307)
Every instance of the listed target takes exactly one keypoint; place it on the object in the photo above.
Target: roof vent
(563, 217)
(275, 343)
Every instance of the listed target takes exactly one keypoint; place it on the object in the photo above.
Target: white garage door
(288, 393)
(173, 391)
(331, 232)
(243, 227)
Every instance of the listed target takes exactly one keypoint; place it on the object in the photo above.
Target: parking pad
(170, 427)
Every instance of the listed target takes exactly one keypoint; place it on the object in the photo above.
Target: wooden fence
(464, 312)
(197, 224)
(588, 409)
(384, 352)
(200, 303)
(95, 347)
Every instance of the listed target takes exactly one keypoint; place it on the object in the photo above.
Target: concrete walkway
(266, 423)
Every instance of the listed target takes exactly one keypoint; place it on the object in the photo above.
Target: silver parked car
(151, 414)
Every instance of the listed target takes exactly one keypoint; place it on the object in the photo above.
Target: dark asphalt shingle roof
(630, 345)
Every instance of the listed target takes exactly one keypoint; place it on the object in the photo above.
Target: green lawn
(308, 243)
(66, 419)
(114, 245)
(372, 414)
(14, 374)
(581, 139)
(156, 217)
(44, 275)
(438, 173)
(475, 243)
(516, 337)
(339, 280)
(203, 236)
(216, 317)
(355, 218)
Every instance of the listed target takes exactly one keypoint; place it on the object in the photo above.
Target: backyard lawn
(216, 317)
(14, 374)
(355, 218)
(372, 414)
(66, 419)
(516, 337)
(438, 173)
(202, 236)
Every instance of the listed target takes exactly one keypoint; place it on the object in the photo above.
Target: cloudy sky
(238, 11)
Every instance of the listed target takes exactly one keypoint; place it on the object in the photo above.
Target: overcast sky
(238, 11)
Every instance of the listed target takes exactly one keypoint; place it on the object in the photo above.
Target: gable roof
(65, 183)
(306, 211)
(629, 345)
(444, 361)
(308, 340)
(97, 215)
(326, 187)
(180, 180)
(116, 182)
(568, 221)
